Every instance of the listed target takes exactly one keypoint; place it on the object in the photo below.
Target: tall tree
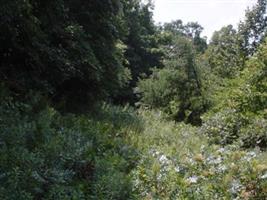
(142, 45)
(253, 30)
(191, 30)
(176, 88)
(224, 55)
(194, 30)
(67, 49)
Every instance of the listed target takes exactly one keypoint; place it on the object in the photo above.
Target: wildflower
(236, 186)
(264, 176)
(192, 179)
(222, 168)
(177, 169)
(198, 190)
(154, 153)
(261, 168)
(136, 183)
(208, 173)
(202, 148)
(163, 159)
(234, 167)
(191, 161)
(214, 160)
(199, 158)
(250, 155)
(159, 177)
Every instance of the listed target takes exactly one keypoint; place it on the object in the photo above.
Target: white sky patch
(211, 14)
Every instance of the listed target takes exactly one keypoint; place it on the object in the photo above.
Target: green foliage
(253, 30)
(67, 49)
(117, 154)
(70, 55)
(45, 155)
(75, 51)
(224, 55)
(157, 91)
(142, 42)
(255, 134)
(253, 96)
(175, 88)
(190, 30)
(223, 127)
(239, 114)
(179, 163)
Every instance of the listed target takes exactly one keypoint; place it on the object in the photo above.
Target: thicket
(45, 155)
(190, 120)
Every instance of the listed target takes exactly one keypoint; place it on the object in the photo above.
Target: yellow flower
(199, 158)
(208, 173)
(238, 155)
(260, 168)
(234, 167)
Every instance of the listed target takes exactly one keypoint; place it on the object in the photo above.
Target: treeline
(194, 71)
(79, 53)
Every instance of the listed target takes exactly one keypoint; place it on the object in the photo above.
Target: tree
(224, 56)
(69, 50)
(142, 50)
(194, 30)
(175, 27)
(176, 88)
(191, 30)
(253, 30)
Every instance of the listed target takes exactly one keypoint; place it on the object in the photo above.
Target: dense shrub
(229, 126)
(223, 127)
(45, 155)
(179, 163)
(255, 134)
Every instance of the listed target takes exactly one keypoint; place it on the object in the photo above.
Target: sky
(211, 14)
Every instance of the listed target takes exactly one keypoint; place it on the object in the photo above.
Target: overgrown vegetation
(45, 155)
(98, 102)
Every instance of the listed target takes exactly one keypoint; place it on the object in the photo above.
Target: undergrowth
(119, 153)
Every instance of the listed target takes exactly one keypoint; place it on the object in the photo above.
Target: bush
(223, 127)
(45, 155)
(255, 134)
(179, 163)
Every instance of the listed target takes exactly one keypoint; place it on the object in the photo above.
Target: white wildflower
(136, 183)
(250, 155)
(202, 148)
(236, 187)
(264, 176)
(154, 153)
(218, 160)
(214, 160)
(177, 169)
(191, 161)
(221, 150)
(159, 177)
(163, 159)
(222, 168)
(192, 179)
